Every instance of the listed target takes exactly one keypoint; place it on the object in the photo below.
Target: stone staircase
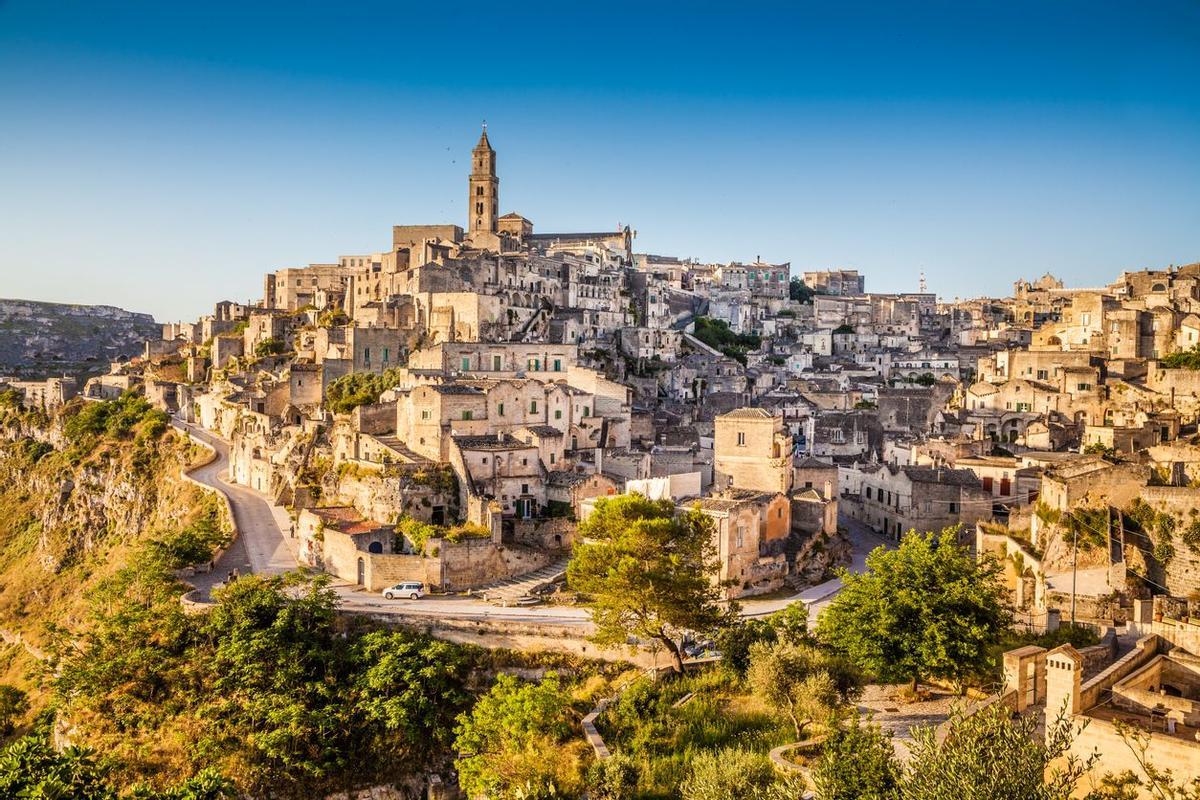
(522, 590)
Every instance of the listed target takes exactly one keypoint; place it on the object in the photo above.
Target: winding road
(263, 548)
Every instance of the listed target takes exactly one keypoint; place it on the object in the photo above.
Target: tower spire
(484, 187)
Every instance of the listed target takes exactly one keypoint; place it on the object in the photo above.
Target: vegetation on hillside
(716, 334)
(1184, 359)
(359, 389)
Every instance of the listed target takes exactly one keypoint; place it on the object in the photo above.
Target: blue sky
(163, 156)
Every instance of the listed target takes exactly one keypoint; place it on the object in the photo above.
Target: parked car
(410, 589)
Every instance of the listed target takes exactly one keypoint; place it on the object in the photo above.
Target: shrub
(359, 389)
(13, 704)
(729, 774)
(614, 778)
(270, 347)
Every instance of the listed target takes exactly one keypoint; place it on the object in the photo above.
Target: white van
(410, 589)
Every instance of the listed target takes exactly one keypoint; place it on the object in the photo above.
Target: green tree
(729, 774)
(926, 609)
(791, 623)
(13, 704)
(405, 694)
(276, 668)
(519, 741)
(645, 571)
(270, 347)
(734, 640)
(798, 290)
(857, 762)
(990, 755)
(800, 681)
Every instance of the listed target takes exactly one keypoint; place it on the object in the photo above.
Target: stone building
(895, 500)
(750, 529)
(752, 450)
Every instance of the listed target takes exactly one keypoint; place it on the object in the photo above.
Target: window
(367, 356)
(839, 436)
(425, 414)
(586, 411)
(386, 354)
(868, 490)
(558, 365)
(500, 409)
(533, 406)
(1042, 374)
(928, 506)
(741, 535)
(496, 363)
(558, 413)
(466, 363)
(741, 439)
(468, 415)
(524, 488)
(954, 508)
(552, 458)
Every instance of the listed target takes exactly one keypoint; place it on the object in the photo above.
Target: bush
(857, 763)
(359, 389)
(729, 774)
(614, 778)
(1185, 359)
(716, 334)
(270, 347)
(116, 419)
(13, 704)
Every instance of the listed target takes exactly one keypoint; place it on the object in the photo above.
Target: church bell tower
(484, 201)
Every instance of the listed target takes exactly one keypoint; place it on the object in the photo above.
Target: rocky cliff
(39, 340)
(74, 504)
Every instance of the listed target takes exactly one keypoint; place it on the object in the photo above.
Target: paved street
(261, 547)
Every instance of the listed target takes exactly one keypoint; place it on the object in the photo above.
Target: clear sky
(162, 156)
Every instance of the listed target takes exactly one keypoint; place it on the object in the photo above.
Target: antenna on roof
(921, 283)
(485, 126)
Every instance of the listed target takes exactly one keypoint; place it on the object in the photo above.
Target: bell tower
(484, 201)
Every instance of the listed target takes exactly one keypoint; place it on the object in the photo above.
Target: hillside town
(448, 405)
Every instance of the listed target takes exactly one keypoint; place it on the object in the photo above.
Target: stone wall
(1164, 752)
(1181, 573)
(524, 636)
